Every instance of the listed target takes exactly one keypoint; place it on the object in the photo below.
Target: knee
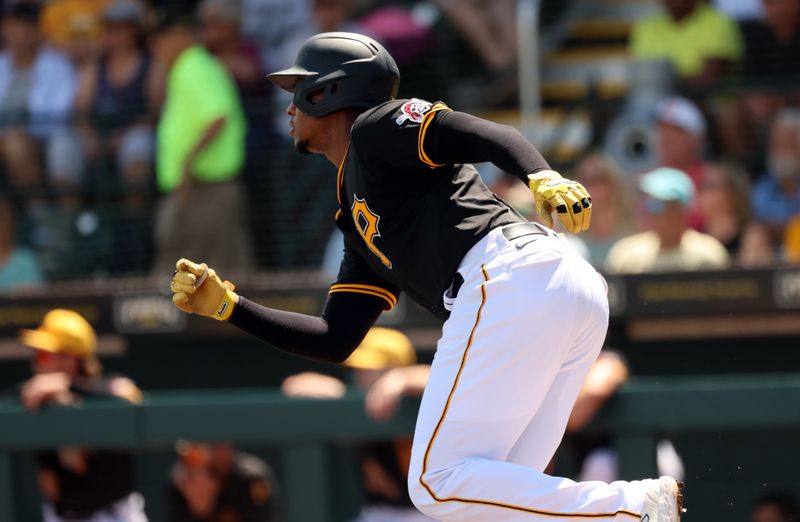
(421, 497)
(430, 493)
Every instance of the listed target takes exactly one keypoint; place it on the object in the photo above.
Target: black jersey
(408, 221)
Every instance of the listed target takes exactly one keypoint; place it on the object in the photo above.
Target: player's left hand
(197, 289)
(568, 198)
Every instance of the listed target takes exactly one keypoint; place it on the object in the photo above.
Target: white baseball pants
(525, 328)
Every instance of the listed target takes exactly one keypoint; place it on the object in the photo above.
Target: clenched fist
(568, 198)
(197, 289)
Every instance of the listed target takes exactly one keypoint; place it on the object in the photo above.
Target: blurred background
(122, 119)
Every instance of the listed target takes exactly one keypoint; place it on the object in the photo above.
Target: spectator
(37, 90)
(490, 28)
(383, 367)
(776, 508)
(19, 268)
(740, 9)
(221, 21)
(218, 483)
(115, 92)
(78, 483)
(681, 136)
(724, 203)
(769, 80)
(278, 28)
(334, 15)
(771, 47)
(667, 244)
(681, 131)
(757, 250)
(414, 45)
(201, 151)
(702, 44)
(612, 209)
(75, 26)
(776, 195)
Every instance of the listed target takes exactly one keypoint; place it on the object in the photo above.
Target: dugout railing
(645, 410)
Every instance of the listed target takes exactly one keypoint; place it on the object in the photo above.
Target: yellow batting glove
(568, 198)
(197, 289)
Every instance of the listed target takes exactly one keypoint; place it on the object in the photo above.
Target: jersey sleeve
(457, 137)
(355, 276)
(394, 134)
(423, 137)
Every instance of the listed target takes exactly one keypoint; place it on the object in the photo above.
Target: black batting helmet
(354, 70)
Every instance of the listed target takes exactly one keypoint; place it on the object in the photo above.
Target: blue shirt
(21, 270)
(770, 203)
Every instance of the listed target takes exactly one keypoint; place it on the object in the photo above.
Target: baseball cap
(124, 11)
(668, 184)
(382, 348)
(63, 332)
(681, 113)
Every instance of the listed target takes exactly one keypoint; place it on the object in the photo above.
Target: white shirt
(642, 253)
(53, 86)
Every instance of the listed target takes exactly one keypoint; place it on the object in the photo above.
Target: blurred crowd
(136, 132)
(715, 183)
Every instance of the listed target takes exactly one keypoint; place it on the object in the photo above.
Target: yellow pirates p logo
(367, 224)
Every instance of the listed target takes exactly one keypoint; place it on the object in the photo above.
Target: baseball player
(525, 315)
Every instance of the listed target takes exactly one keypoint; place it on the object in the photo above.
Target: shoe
(663, 500)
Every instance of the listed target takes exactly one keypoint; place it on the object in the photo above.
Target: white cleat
(663, 500)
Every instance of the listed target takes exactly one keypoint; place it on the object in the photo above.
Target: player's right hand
(569, 199)
(197, 289)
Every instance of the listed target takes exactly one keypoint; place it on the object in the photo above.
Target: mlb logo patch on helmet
(414, 111)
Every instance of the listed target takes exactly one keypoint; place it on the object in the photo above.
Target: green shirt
(199, 91)
(704, 34)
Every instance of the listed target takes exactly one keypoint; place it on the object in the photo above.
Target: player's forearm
(463, 138)
(416, 378)
(330, 338)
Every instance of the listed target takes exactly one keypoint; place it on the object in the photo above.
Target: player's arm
(457, 137)
(350, 310)
(384, 395)
(345, 321)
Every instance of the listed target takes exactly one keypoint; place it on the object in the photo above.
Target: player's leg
(541, 438)
(501, 351)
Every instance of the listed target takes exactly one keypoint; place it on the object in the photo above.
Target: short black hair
(27, 11)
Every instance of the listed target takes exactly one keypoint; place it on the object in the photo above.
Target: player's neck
(340, 137)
